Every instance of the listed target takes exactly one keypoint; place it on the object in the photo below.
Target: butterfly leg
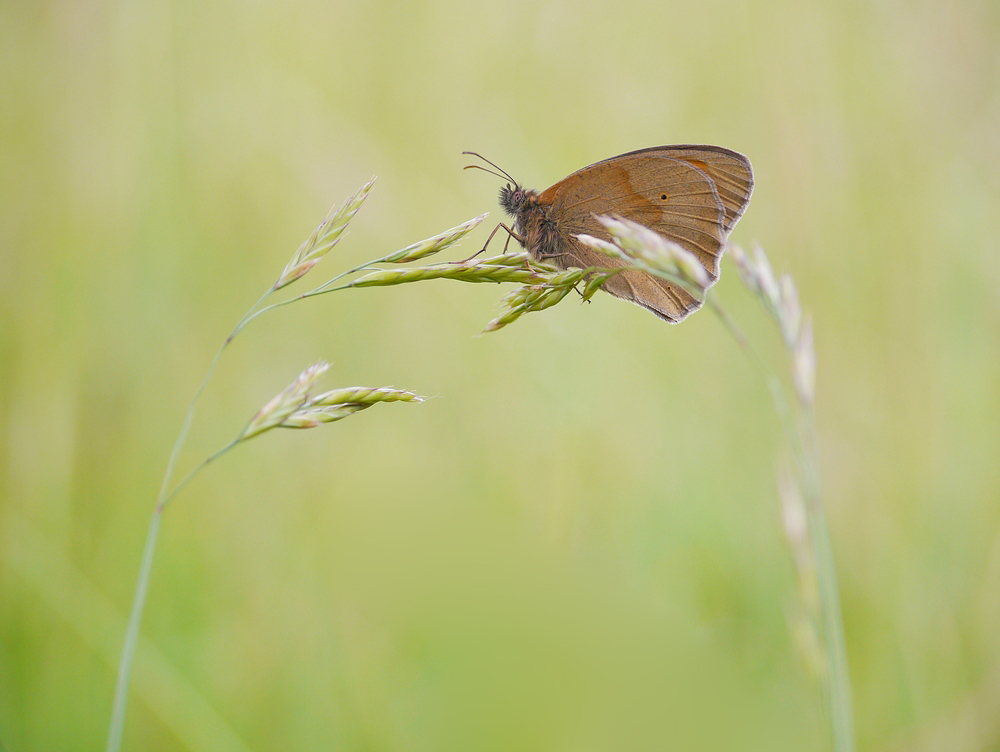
(510, 234)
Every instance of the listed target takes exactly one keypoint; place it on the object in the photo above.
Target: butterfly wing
(692, 195)
(729, 170)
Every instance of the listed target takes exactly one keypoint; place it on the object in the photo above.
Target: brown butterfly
(692, 195)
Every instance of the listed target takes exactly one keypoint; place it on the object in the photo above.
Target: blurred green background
(577, 544)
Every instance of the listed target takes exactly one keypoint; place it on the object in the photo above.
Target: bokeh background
(577, 545)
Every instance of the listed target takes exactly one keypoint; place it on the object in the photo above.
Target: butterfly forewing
(729, 170)
(665, 194)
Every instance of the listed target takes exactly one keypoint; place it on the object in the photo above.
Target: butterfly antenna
(484, 169)
(505, 173)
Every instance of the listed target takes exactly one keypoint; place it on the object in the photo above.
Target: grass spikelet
(286, 402)
(323, 238)
(433, 245)
(294, 407)
(466, 272)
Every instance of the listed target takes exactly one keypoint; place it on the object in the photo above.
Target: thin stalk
(139, 600)
(189, 415)
(802, 439)
(322, 289)
(119, 703)
(132, 635)
(839, 682)
(781, 405)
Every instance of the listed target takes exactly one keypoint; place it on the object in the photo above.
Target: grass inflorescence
(541, 286)
(296, 406)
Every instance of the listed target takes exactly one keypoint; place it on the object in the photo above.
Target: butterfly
(692, 195)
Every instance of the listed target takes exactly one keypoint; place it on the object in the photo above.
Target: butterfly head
(514, 199)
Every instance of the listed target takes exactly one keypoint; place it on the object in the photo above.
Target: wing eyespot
(663, 197)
